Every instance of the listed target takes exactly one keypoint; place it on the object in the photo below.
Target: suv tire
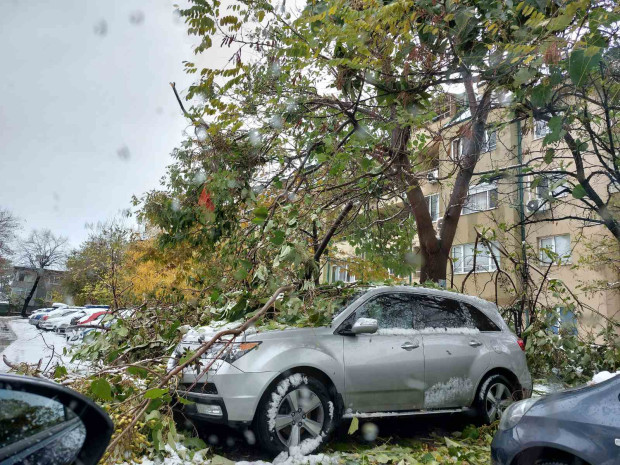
(312, 415)
(495, 395)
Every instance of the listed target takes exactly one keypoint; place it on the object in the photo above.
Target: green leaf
(59, 371)
(101, 389)
(219, 460)
(580, 65)
(194, 443)
(579, 192)
(549, 153)
(155, 393)
(355, 423)
(185, 401)
(138, 371)
(278, 237)
(523, 75)
(260, 215)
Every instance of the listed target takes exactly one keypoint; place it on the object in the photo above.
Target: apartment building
(498, 202)
(24, 278)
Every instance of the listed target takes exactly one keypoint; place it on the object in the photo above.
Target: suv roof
(488, 308)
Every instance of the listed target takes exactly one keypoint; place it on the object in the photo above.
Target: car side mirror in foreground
(365, 326)
(44, 423)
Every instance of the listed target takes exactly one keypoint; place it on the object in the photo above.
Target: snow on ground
(32, 344)
(296, 457)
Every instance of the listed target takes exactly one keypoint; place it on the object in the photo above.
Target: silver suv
(390, 351)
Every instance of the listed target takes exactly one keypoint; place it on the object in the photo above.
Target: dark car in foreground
(573, 427)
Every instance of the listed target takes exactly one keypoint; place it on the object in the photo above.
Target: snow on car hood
(201, 334)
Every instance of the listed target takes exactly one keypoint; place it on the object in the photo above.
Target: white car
(54, 319)
(36, 316)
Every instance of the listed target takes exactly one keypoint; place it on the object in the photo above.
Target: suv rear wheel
(494, 397)
(296, 415)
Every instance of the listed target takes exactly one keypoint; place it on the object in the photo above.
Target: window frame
(539, 123)
(487, 137)
(467, 307)
(460, 269)
(350, 320)
(428, 198)
(551, 179)
(562, 260)
(480, 188)
(419, 299)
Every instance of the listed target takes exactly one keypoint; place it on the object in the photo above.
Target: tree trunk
(27, 301)
(434, 266)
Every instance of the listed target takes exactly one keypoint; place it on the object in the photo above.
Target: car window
(479, 319)
(439, 312)
(390, 310)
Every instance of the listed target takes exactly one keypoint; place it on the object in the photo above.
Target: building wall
(24, 278)
(498, 286)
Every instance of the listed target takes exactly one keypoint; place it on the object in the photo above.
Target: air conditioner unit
(432, 176)
(537, 205)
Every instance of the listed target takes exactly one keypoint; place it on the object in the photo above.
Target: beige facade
(493, 210)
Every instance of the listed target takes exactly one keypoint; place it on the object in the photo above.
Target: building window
(341, 273)
(566, 321)
(555, 249)
(541, 129)
(490, 141)
(21, 276)
(480, 198)
(551, 186)
(457, 149)
(463, 257)
(432, 202)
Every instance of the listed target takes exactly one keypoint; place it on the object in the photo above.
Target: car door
(384, 371)
(455, 356)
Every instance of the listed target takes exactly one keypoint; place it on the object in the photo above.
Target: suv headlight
(515, 412)
(231, 353)
(228, 354)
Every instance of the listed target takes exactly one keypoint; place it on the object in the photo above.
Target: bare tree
(41, 250)
(8, 226)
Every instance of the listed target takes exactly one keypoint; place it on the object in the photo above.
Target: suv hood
(196, 336)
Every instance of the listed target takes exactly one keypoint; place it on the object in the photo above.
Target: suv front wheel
(296, 415)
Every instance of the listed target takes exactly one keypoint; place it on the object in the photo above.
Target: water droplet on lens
(136, 17)
(123, 153)
(213, 439)
(101, 27)
(201, 133)
(254, 137)
(370, 431)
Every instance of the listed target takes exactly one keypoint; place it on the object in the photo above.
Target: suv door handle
(475, 343)
(410, 345)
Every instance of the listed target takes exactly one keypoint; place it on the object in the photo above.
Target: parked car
(75, 334)
(88, 317)
(573, 427)
(391, 351)
(54, 319)
(38, 314)
(44, 423)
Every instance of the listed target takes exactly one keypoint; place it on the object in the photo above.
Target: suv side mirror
(365, 326)
(45, 423)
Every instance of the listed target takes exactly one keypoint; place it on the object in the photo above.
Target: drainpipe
(521, 209)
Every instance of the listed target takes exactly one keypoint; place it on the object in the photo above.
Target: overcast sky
(87, 117)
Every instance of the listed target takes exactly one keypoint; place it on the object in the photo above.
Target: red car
(91, 318)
